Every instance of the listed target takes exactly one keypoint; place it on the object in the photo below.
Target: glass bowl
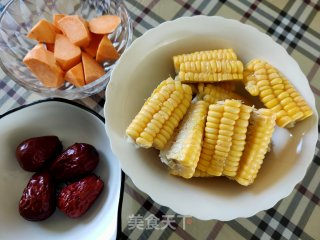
(18, 17)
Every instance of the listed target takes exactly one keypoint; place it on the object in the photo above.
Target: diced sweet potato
(75, 75)
(56, 18)
(43, 32)
(93, 45)
(76, 29)
(43, 65)
(104, 24)
(92, 70)
(66, 54)
(106, 51)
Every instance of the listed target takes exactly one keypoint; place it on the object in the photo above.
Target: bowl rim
(56, 92)
(54, 99)
(162, 200)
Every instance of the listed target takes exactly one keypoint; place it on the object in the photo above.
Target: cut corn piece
(160, 114)
(224, 138)
(210, 71)
(182, 152)
(260, 130)
(276, 92)
(238, 142)
(218, 54)
(211, 93)
(167, 130)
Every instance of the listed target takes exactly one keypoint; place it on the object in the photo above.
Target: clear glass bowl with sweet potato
(32, 54)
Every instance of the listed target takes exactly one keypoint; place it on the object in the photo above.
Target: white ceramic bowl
(149, 61)
(71, 123)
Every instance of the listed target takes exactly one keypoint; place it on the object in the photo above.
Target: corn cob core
(183, 150)
(227, 85)
(194, 87)
(259, 135)
(211, 93)
(160, 114)
(276, 92)
(218, 54)
(210, 71)
(224, 138)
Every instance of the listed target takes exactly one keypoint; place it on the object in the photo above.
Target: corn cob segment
(276, 92)
(182, 152)
(160, 114)
(259, 135)
(238, 142)
(212, 94)
(218, 54)
(210, 71)
(224, 138)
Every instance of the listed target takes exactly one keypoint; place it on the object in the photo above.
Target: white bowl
(149, 61)
(71, 123)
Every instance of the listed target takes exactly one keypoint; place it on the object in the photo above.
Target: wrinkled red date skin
(34, 153)
(38, 201)
(76, 161)
(75, 199)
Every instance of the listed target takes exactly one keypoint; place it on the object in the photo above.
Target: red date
(76, 161)
(75, 199)
(34, 153)
(38, 199)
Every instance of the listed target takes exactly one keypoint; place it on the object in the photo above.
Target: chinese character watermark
(153, 222)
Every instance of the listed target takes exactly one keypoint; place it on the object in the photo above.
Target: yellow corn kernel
(238, 142)
(211, 93)
(298, 99)
(182, 152)
(210, 71)
(260, 130)
(276, 92)
(218, 54)
(160, 114)
(223, 138)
